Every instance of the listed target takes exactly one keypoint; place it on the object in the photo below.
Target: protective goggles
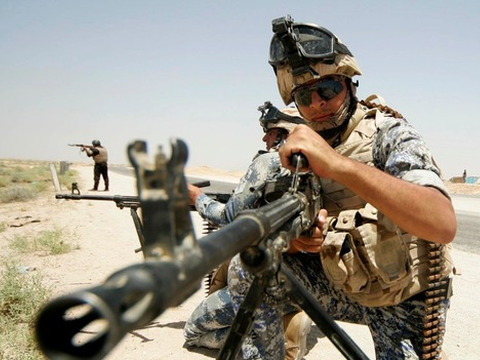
(271, 115)
(327, 88)
(311, 41)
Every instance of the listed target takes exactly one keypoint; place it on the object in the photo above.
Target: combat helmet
(301, 52)
(273, 118)
(96, 142)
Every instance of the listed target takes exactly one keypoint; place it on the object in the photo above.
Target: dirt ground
(106, 241)
(463, 189)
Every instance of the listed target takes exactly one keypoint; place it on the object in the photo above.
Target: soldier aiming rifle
(100, 157)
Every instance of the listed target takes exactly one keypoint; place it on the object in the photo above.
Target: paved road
(216, 186)
(467, 209)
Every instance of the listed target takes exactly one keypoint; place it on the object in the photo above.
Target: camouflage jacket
(248, 193)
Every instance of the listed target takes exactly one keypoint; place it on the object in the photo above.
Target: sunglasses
(327, 89)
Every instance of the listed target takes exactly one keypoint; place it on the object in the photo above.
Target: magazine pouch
(340, 263)
(364, 259)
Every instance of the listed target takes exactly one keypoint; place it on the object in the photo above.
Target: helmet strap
(280, 136)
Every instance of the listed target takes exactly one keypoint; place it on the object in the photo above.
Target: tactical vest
(102, 156)
(364, 254)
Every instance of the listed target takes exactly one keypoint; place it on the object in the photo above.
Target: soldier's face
(321, 108)
(270, 138)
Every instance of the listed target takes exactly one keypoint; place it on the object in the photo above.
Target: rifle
(175, 263)
(133, 202)
(81, 145)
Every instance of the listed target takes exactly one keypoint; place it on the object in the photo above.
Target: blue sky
(117, 71)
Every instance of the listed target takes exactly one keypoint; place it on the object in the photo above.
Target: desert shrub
(51, 242)
(17, 193)
(21, 296)
(26, 180)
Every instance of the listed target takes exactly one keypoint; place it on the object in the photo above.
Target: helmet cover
(316, 53)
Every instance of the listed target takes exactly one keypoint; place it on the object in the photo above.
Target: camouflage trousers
(397, 331)
(209, 323)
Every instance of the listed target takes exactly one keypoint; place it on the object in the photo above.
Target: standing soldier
(100, 156)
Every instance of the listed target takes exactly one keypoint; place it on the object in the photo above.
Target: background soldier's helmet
(96, 142)
(273, 118)
(302, 52)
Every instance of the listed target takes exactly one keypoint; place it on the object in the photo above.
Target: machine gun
(133, 202)
(89, 323)
(121, 201)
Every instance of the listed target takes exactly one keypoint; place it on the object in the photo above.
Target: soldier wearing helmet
(99, 155)
(209, 323)
(277, 124)
(263, 168)
(390, 268)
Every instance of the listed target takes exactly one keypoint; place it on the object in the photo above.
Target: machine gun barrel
(134, 201)
(118, 199)
(89, 323)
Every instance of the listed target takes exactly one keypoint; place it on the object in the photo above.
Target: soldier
(210, 321)
(384, 259)
(100, 157)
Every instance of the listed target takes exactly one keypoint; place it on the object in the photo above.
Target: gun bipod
(296, 291)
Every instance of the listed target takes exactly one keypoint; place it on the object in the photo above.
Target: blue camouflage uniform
(209, 323)
(399, 150)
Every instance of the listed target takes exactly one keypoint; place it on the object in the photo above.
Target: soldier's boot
(296, 327)
(106, 185)
(95, 187)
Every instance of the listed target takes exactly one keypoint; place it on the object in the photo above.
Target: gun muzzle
(89, 323)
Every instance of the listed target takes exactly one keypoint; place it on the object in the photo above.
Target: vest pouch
(385, 254)
(385, 257)
(365, 260)
(341, 264)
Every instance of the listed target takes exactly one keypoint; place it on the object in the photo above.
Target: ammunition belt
(439, 289)
(208, 228)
